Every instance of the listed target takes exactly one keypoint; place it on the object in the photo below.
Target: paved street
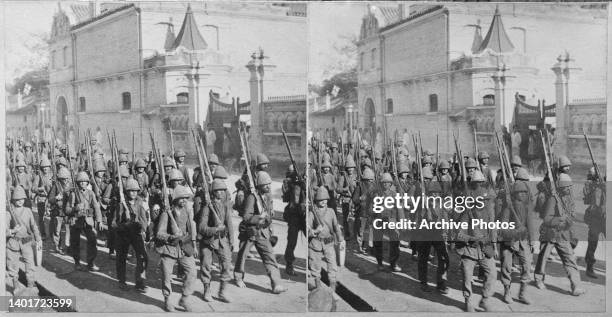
(99, 292)
(362, 287)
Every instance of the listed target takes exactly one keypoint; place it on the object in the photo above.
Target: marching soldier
(323, 232)
(329, 181)
(216, 235)
(213, 162)
(435, 238)
(142, 178)
(517, 241)
(84, 211)
(263, 163)
(595, 216)
(555, 231)
(57, 199)
(42, 185)
(294, 214)
(255, 230)
(23, 179)
(346, 187)
(475, 246)
(21, 230)
(112, 196)
(179, 158)
(104, 187)
(361, 212)
(130, 226)
(388, 215)
(515, 164)
(176, 234)
(489, 174)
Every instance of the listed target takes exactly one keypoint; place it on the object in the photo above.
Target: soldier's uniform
(346, 187)
(294, 214)
(475, 246)
(435, 238)
(20, 232)
(361, 213)
(387, 215)
(130, 226)
(58, 196)
(216, 236)
(179, 157)
(112, 197)
(329, 182)
(321, 239)
(177, 246)
(23, 179)
(42, 185)
(594, 197)
(142, 178)
(489, 174)
(555, 231)
(85, 216)
(255, 230)
(517, 241)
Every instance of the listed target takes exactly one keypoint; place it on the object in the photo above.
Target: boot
(277, 289)
(577, 291)
(207, 296)
(290, 271)
(468, 305)
(17, 286)
(240, 283)
(168, 305)
(186, 303)
(590, 272)
(221, 294)
(485, 305)
(523, 294)
(507, 296)
(333, 285)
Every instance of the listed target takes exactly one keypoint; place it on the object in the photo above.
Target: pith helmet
(123, 158)
(427, 160)
(213, 159)
(220, 172)
(403, 167)
(262, 159)
(427, 173)
(168, 162)
(123, 171)
(20, 163)
(181, 192)
(564, 161)
(434, 187)
(45, 162)
(478, 177)
(179, 153)
(18, 193)
(99, 166)
(263, 178)
(350, 162)
(61, 161)
(63, 173)
(321, 194)
(140, 163)
(367, 174)
(520, 187)
(366, 162)
(444, 164)
(326, 163)
(82, 177)
(565, 180)
(516, 161)
(386, 178)
(218, 184)
(132, 184)
(522, 174)
(483, 155)
(175, 175)
(471, 163)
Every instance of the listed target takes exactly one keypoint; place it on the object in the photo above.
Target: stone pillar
(193, 76)
(500, 104)
(255, 135)
(561, 70)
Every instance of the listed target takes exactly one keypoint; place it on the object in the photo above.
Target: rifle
(438, 176)
(133, 154)
(52, 158)
(507, 160)
(462, 170)
(476, 149)
(201, 158)
(394, 164)
(551, 178)
(118, 173)
(205, 158)
(69, 160)
(319, 154)
(258, 200)
(505, 181)
(342, 156)
(297, 171)
(595, 166)
(92, 173)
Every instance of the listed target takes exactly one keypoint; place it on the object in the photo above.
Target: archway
(62, 116)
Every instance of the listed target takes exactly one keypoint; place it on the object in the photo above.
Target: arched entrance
(61, 116)
(370, 119)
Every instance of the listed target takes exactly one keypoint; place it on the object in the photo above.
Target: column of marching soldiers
(136, 204)
(347, 176)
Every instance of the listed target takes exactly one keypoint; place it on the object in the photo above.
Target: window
(82, 104)
(65, 55)
(389, 105)
(182, 97)
(433, 103)
(373, 59)
(361, 61)
(127, 100)
(488, 100)
(52, 59)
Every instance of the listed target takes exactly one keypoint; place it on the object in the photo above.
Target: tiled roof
(103, 15)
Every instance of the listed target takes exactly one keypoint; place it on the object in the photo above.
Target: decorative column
(193, 76)
(499, 78)
(561, 70)
(255, 135)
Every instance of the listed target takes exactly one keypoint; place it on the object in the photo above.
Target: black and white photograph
(505, 102)
(155, 156)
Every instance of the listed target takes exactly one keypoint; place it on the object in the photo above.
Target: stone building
(150, 66)
(461, 69)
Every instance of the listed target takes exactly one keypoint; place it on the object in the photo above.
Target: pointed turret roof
(477, 38)
(497, 39)
(170, 38)
(189, 36)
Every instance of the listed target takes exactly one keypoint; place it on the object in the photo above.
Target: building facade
(146, 67)
(457, 68)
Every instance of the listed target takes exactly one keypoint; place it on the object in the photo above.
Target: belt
(326, 240)
(24, 239)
